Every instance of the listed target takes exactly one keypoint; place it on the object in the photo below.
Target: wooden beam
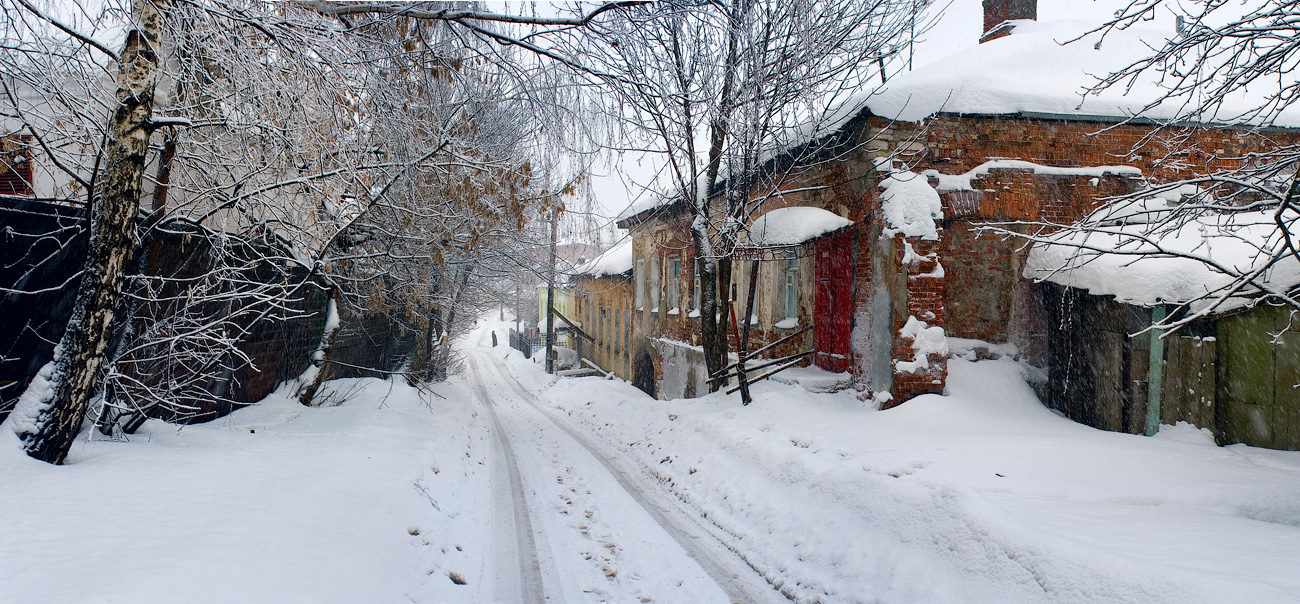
(775, 361)
(572, 325)
(796, 334)
(745, 399)
(768, 374)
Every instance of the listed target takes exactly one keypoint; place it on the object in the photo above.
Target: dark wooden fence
(42, 248)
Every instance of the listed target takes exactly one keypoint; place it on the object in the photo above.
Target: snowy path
(602, 533)
(514, 548)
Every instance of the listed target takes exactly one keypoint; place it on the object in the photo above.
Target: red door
(833, 301)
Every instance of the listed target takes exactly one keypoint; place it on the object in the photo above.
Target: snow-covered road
(505, 484)
(591, 530)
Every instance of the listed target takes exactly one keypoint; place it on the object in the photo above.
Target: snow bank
(910, 205)
(34, 402)
(1145, 266)
(793, 226)
(616, 260)
(815, 379)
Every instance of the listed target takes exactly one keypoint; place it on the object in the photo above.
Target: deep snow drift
(979, 496)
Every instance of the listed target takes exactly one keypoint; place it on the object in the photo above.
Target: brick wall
(979, 268)
(925, 301)
(982, 295)
(955, 144)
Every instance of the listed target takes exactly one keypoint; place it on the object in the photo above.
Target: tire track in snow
(736, 578)
(530, 588)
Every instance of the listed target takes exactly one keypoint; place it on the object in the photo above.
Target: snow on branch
(413, 11)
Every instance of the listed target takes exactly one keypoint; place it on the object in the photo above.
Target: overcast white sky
(959, 27)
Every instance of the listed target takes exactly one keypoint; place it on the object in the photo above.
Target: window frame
(792, 284)
(674, 285)
(656, 285)
(695, 291)
(640, 284)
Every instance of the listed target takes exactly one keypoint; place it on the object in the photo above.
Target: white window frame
(656, 285)
(640, 283)
(674, 286)
(695, 293)
(792, 285)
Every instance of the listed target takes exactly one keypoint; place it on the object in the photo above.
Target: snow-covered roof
(616, 260)
(1033, 71)
(1145, 266)
(649, 202)
(793, 226)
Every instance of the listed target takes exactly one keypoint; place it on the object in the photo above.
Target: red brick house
(921, 167)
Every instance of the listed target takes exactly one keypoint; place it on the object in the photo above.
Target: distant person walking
(494, 339)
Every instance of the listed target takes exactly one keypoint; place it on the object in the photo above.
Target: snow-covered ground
(509, 485)
(380, 499)
(983, 495)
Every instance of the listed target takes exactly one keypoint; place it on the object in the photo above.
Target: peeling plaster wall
(682, 371)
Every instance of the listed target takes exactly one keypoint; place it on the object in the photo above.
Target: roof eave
(1110, 119)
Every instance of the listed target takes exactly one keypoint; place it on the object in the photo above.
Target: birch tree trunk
(440, 370)
(50, 412)
(311, 379)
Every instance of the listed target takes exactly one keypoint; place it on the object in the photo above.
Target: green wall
(1259, 370)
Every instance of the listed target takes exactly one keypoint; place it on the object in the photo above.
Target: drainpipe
(1155, 371)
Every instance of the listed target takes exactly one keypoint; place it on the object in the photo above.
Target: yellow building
(601, 300)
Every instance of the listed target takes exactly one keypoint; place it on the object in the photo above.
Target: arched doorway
(643, 372)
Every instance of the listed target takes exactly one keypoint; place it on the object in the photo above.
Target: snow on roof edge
(617, 260)
(794, 225)
(1137, 274)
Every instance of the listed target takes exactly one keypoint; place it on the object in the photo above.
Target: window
(640, 284)
(674, 278)
(618, 315)
(792, 285)
(627, 337)
(695, 293)
(655, 290)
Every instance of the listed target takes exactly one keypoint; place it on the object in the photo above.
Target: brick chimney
(998, 12)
